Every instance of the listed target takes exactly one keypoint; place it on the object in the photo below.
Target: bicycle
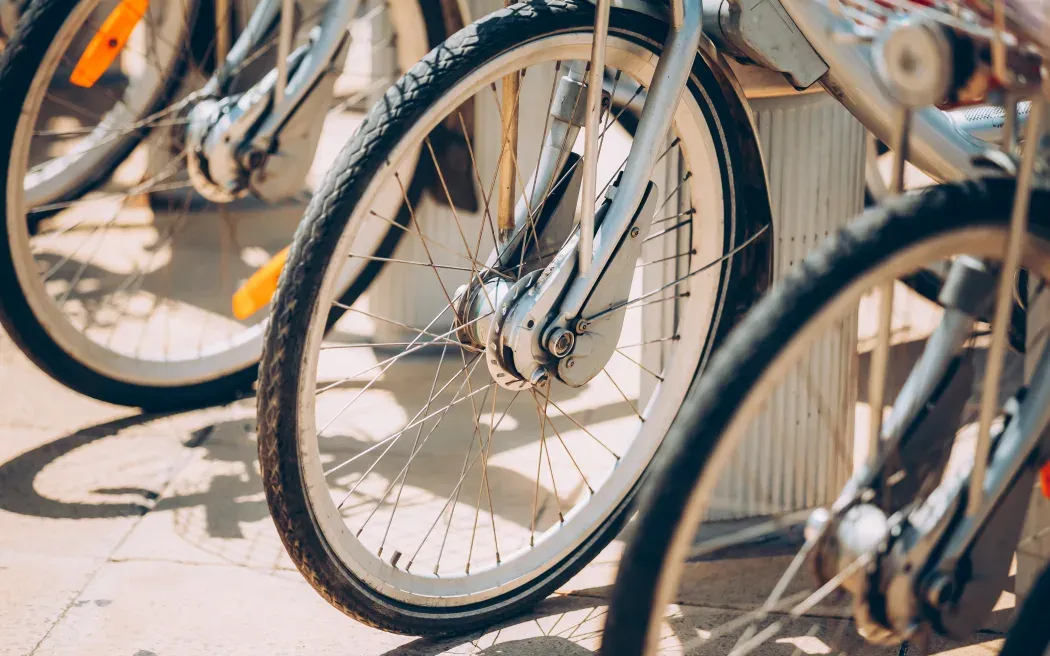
(158, 165)
(914, 468)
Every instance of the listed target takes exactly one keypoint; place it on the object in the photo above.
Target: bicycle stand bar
(284, 49)
(1004, 303)
(509, 149)
(591, 129)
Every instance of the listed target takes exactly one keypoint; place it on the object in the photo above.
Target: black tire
(19, 64)
(745, 279)
(1029, 634)
(771, 326)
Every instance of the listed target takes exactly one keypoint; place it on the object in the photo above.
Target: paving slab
(140, 608)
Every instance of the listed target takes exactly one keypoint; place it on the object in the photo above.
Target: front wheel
(780, 423)
(412, 491)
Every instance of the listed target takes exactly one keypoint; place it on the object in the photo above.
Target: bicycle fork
(571, 321)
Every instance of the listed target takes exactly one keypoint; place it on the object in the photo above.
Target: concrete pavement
(138, 535)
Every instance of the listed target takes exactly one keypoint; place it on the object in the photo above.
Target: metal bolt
(635, 232)
(570, 363)
(940, 590)
(561, 343)
(539, 378)
(254, 159)
(582, 325)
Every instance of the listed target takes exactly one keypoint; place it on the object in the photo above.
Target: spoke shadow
(228, 500)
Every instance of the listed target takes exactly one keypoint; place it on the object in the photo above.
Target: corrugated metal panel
(814, 150)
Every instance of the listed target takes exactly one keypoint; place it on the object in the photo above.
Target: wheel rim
(113, 312)
(411, 579)
(755, 531)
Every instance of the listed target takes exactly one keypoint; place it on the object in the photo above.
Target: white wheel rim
(524, 565)
(207, 363)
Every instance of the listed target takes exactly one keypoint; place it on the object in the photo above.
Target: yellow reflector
(257, 291)
(108, 42)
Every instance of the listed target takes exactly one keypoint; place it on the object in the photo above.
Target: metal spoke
(569, 453)
(667, 259)
(750, 534)
(475, 416)
(689, 212)
(541, 418)
(665, 231)
(415, 421)
(627, 400)
(461, 479)
(402, 354)
(376, 258)
(477, 177)
(802, 608)
(401, 432)
(386, 364)
(669, 338)
(336, 347)
(150, 185)
(415, 444)
(400, 324)
(642, 366)
(581, 427)
(485, 447)
(675, 191)
(747, 242)
(481, 267)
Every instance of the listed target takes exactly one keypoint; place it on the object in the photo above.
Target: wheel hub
(214, 168)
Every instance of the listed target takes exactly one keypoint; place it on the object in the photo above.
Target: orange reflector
(1044, 480)
(258, 290)
(108, 42)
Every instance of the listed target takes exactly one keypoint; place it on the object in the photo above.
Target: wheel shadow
(228, 500)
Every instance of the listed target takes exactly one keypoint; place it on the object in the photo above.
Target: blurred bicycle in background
(161, 154)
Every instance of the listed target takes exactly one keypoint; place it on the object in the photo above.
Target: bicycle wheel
(453, 539)
(720, 562)
(119, 275)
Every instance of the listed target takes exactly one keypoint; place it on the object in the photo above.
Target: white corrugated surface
(814, 152)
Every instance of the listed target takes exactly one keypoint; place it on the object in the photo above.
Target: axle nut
(561, 343)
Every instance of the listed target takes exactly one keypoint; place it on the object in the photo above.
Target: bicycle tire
(19, 64)
(768, 330)
(316, 240)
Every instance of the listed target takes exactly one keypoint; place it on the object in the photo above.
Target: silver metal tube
(284, 48)
(669, 80)
(938, 148)
(592, 127)
(1004, 302)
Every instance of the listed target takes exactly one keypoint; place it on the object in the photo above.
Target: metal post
(284, 49)
(1004, 302)
(222, 31)
(592, 127)
(508, 153)
(881, 354)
